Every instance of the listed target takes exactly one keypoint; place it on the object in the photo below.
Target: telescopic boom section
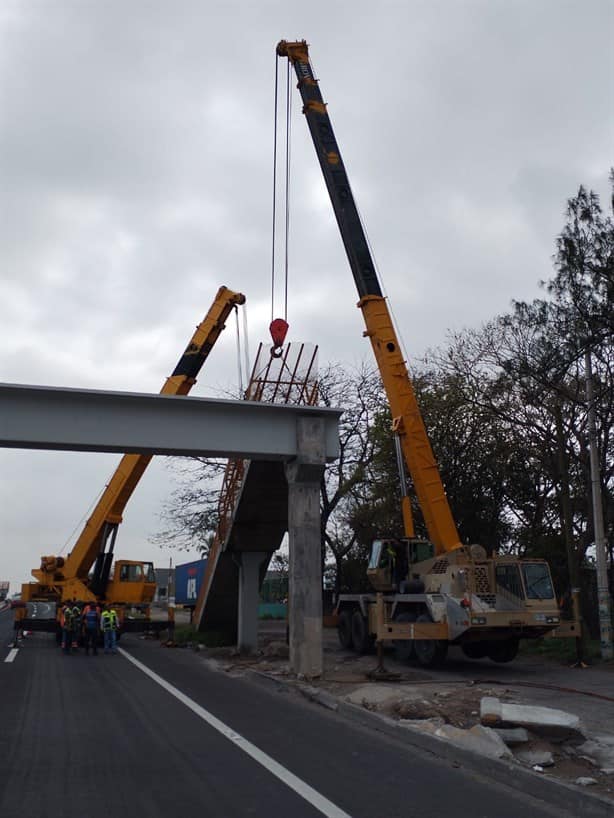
(406, 415)
(108, 512)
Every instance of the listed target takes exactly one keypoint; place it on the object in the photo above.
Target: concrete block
(598, 751)
(512, 735)
(424, 725)
(542, 758)
(544, 721)
(478, 739)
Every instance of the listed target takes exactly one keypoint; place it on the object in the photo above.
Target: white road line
(12, 654)
(321, 803)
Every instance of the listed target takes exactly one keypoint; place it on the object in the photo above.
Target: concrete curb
(542, 787)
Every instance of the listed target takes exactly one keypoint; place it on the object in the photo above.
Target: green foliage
(505, 409)
(561, 650)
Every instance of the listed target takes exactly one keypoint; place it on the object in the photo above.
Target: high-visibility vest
(109, 620)
(67, 616)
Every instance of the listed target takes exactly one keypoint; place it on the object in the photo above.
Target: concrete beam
(42, 417)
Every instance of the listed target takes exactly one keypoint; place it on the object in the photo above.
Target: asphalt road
(155, 732)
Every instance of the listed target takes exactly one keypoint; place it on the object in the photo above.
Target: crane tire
(404, 649)
(430, 652)
(476, 650)
(505, 651)
(363, 641)
(344, 629)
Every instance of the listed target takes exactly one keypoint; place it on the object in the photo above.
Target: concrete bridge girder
(86, 420)
(304, 438)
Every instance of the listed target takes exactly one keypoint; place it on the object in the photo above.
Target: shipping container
(188, 579)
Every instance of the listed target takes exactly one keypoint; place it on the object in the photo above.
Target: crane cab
(391, 561)
(133, 583)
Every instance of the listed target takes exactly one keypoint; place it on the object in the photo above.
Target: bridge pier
(249, 599)
(304, 474)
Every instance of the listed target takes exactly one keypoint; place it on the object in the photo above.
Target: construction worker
(171, 622)
(76, 625)
(391, 554)
(110, 624)
(398, 564)
(66, 617)
(90, 620)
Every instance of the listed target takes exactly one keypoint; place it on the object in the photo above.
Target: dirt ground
(452, 695)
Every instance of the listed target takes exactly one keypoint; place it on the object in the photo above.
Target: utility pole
(603, 591)
(572, 561)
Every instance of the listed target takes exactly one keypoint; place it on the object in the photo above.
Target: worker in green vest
(66, 621)
(109, 622)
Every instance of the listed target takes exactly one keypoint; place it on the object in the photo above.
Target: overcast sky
(136, 145)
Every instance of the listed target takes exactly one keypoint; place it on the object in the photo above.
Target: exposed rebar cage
(290, 378)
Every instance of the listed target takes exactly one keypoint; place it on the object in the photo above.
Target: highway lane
(96, 736)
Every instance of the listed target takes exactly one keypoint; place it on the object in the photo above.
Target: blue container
(188, 579)
(272, 610)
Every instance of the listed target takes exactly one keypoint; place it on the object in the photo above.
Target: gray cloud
(136, 154)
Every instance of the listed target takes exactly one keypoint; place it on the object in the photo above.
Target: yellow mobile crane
(132, 584)
(436, 592)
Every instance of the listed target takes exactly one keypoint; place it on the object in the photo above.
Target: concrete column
(305, 582)
(249, 597)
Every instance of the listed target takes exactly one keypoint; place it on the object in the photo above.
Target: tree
(526, 370)
(583, 286)
(191, 515)
(359, 391)
(471, 453)
(506, 414)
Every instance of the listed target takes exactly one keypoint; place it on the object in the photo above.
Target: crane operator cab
(390, 564)
(133, 582)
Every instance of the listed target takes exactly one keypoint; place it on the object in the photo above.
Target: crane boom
(407, 419)
(107, 515)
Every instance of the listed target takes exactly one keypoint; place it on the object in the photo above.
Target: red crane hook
(278, 329)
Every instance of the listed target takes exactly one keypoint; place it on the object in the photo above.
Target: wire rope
(239, 361)
(79, 523)
(287, 190)
(274, 186)
(275, 250)
(246, 345)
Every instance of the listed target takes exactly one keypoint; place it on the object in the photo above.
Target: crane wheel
(404, 649)
(363, 641)
(476, 650)
(430, 652)
(505, 651)
(344, 630)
